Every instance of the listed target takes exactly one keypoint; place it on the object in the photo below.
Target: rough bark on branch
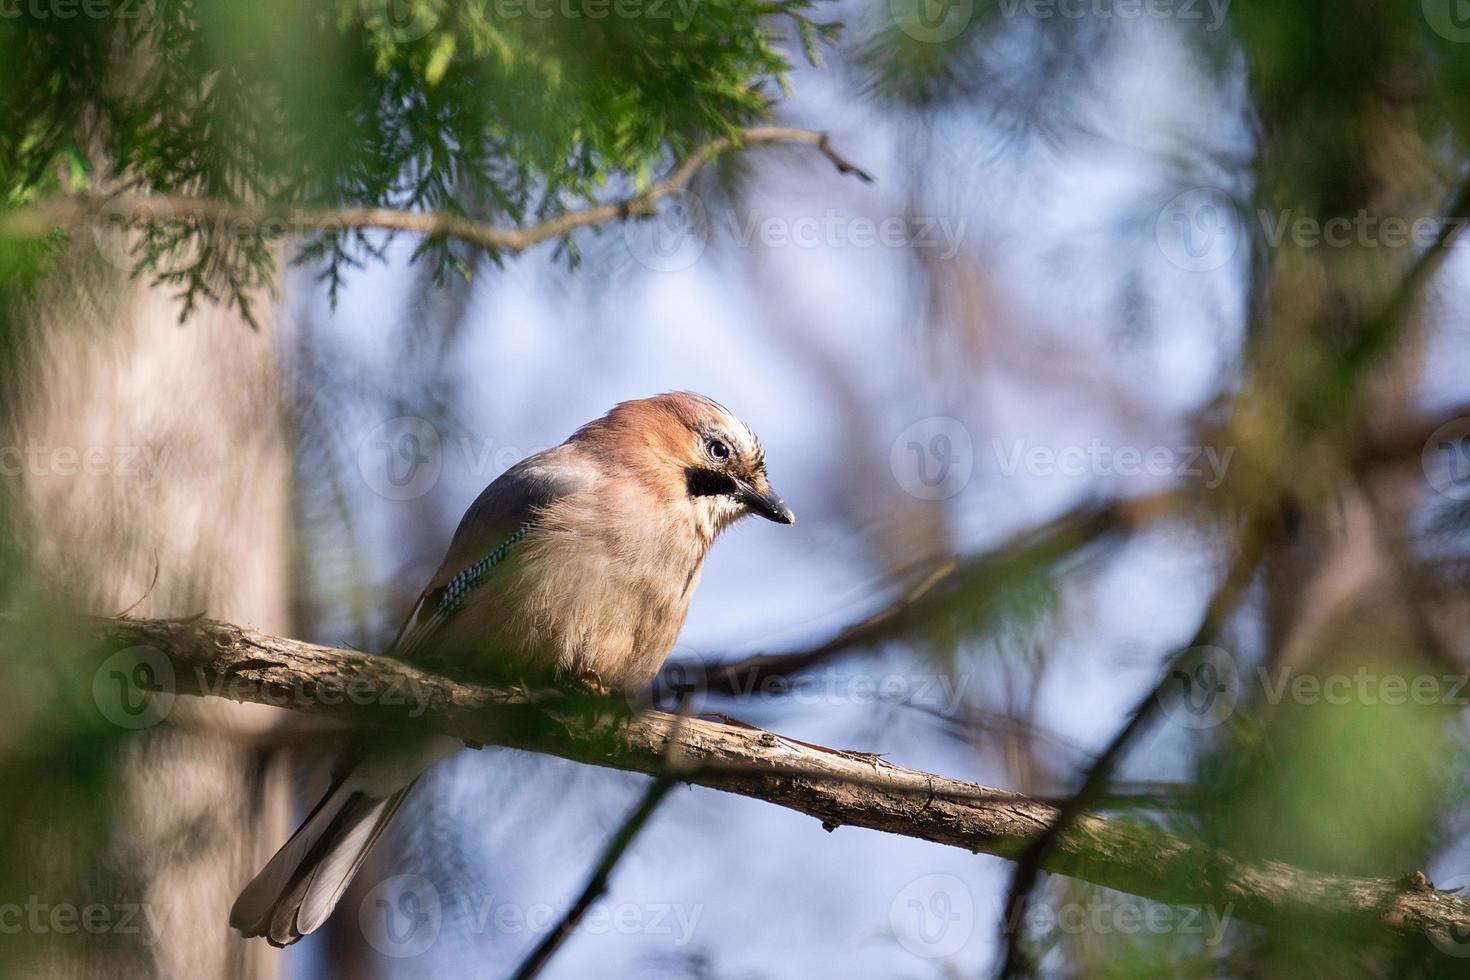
(838, 788)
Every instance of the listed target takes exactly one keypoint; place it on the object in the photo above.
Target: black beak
(768, 505)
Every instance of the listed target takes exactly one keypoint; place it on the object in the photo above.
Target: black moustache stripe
(708, 483)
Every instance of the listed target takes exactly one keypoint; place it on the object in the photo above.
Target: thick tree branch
(839, 788)
(40, 218)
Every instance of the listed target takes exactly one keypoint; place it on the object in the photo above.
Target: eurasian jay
(577, 562)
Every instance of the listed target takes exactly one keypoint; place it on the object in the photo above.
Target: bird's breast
(596, 595)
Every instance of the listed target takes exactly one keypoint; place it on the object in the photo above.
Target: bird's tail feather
(298, 888)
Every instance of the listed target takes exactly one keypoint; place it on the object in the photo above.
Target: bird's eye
(717, 449)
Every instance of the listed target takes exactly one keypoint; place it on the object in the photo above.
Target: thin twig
(146, 592)
(596, 884)
(1377, 330)
(41, 218)
(1094, 785)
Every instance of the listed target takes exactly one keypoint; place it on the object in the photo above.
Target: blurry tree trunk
(1338, 592)
(193, 808)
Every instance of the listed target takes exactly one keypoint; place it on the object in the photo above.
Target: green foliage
(505, 110)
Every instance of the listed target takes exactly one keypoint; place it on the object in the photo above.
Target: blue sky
(824, 351)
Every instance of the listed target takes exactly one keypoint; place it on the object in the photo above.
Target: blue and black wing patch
(457, 590)
(437, 606)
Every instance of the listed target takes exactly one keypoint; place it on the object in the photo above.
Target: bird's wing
(497, 522)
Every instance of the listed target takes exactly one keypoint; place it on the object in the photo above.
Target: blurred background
(1153, 315)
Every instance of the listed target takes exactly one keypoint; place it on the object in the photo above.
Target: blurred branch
(1100, 773)
(1383, 325)
(1376, 332)
(597, 884)
(1401, 441)
(1409, 578)
(953, 580)
(39, 219)
(837, 787)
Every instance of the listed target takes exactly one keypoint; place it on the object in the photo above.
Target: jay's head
(690, 450)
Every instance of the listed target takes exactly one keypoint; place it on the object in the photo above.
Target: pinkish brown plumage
(577, 562)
